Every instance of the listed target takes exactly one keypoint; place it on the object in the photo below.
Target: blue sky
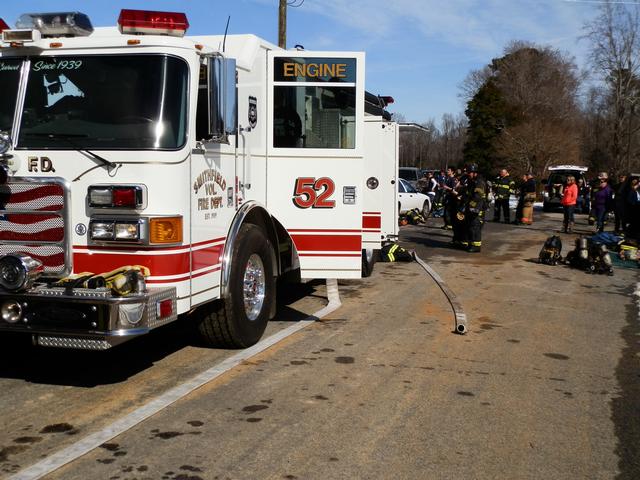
(418, 51)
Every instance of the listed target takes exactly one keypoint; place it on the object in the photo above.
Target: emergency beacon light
(60, 24)
(139, 22)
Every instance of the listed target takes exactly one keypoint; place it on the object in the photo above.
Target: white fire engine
(145, 174)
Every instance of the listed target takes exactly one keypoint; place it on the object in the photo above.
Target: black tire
(368, 261)
(426, 209)
(227, 323)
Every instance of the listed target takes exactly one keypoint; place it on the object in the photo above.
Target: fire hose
(460, 318)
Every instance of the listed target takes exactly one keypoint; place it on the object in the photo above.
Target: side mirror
(223, 98)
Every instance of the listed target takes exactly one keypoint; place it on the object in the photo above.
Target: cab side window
(202, 109)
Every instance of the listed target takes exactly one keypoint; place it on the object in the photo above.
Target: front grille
(32, 221)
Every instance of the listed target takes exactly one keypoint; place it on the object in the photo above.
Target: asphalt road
(546, 383)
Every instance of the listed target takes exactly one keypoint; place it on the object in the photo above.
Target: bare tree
(450, 141)
(535, 110)
(473, 81)
(615, 57)
(416, 144)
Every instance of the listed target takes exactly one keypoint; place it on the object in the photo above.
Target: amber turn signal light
(165, 230)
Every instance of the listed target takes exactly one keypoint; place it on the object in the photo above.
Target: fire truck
(146, 174)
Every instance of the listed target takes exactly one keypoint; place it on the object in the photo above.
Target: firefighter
(475, 202)
(503, 187)
(446, 187)
(457, 207)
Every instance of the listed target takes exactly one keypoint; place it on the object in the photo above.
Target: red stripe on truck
(327, 243)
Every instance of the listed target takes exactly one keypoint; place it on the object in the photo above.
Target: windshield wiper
(69, 139)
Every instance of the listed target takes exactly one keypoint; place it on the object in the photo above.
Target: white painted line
(93, 441)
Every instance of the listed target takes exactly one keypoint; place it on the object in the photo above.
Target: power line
(602, 2)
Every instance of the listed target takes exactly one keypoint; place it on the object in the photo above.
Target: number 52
(313, 193)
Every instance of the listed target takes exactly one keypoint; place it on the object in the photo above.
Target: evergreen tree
(487, 114)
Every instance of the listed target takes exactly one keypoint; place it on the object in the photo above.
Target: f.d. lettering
(42, 164)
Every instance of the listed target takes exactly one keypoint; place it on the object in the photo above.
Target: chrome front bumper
(91, 319)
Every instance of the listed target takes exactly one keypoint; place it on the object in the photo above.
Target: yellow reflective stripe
(476, 244)
(392, 257)
(464, 243)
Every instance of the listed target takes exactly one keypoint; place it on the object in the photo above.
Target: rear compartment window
(314, 103)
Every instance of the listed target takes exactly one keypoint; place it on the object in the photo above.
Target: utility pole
(282, 24)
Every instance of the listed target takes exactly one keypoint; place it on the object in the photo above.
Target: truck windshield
(106, 102)
(9, 79)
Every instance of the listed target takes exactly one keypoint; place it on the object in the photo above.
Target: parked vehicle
(224, 162)
(554, 185)
(410, 174)
(409, 198)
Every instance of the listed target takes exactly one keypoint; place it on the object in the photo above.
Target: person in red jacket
(569, 199)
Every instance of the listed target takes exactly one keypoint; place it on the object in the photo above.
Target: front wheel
(241, 318)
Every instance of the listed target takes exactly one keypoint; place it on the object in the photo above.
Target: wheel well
(261, 218)
(253, 213)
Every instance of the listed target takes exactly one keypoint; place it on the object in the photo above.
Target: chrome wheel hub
(254, 287)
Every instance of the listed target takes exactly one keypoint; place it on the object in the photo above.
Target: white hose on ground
(460, 318)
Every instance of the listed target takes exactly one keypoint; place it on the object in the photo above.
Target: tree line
(533, 108)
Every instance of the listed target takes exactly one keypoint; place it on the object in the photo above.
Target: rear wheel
(368, 260)
(426, 209)
(240, 319)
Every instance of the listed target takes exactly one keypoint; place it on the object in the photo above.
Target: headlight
(19, 271)
(102, 230)
(127, 231)
(5, 142)
(115, 230)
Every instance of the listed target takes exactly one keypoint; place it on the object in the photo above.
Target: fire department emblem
(253, 112)
(81, 229)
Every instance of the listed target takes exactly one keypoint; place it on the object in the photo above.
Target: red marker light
(4, 26)
(124, 197)
(155, 23)
(387, 100)
(117, 196)
(165, 308)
